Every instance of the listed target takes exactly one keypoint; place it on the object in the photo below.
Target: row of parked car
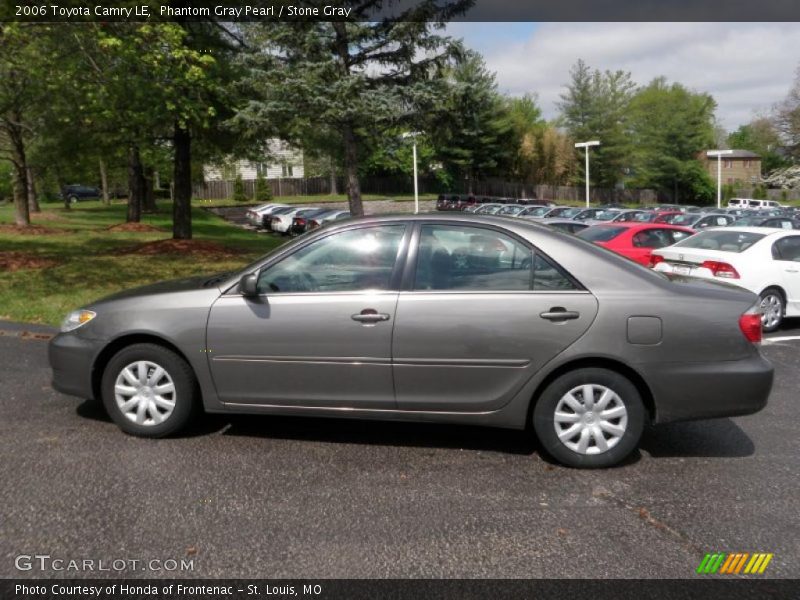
(758, 250)
(293, 220)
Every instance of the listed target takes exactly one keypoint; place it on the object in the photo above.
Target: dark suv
(73, 193)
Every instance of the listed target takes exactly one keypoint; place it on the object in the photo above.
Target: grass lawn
(75, 258)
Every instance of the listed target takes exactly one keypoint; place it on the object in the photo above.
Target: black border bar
(700, 587)
(411, 10)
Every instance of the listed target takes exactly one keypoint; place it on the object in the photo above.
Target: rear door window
(465, 258)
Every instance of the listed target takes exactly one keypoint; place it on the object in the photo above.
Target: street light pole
(416, 187)
(718, 154)
(413, 135)
(586, 146)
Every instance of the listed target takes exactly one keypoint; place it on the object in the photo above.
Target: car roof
(639, 225)
(751, 229)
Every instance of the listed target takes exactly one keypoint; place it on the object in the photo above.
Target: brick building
(741, 166)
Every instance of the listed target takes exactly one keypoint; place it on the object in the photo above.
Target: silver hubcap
(145, 393)
(771, 310)
(590, 419)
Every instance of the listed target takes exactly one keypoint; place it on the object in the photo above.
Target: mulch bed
(135, 227)
(31, 230)
(14, 261)
(197, 248)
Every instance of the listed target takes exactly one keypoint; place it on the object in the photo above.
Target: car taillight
(655, 259)
(750, 324)
(720, 269)
(313, 224)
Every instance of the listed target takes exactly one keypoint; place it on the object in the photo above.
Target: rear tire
(149, 390)
(589, 418)
(773, 307)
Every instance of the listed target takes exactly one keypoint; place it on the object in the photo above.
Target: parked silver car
(461, 319)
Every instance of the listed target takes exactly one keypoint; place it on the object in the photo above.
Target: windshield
(683, 219)
(644, 217)
(535, 212)
(606, 215)
(722, 240)
(602, 233)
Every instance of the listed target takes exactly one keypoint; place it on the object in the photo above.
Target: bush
(263, 189)
(760, 192)
(238, 189)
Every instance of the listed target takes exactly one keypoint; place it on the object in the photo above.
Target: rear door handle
(791, 270)
(370, 315)
(559, 313)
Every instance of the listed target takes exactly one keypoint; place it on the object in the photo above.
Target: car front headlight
(77, 318)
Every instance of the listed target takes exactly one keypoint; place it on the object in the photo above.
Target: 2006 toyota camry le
(460, 319)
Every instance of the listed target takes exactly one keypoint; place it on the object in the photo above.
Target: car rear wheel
(772, 308)
(149, 390)
(589, 418)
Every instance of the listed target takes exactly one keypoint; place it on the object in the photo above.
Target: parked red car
(635, 240)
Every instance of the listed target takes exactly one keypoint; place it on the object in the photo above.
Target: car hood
(169, 287)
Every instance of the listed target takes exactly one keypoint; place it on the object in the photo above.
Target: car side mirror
(248, 285)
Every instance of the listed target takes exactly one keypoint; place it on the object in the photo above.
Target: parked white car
(255, 215)
(752, 203)
(281, 221)
(763, 260)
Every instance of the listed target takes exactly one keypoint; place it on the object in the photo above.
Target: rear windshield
(606, 215)
(725, 241)
(600, 233)
(683, 219)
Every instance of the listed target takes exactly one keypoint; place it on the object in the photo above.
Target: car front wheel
(149, 390)
(589, 418)
(772, 308)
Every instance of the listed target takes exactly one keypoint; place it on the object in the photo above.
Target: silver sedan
(464, 319)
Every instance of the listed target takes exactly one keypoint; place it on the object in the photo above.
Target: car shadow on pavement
(711, 438)
(379, 433)
(204, 424)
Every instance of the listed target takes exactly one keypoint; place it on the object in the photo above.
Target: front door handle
(791, 270)
(559, 313)
(370, 315)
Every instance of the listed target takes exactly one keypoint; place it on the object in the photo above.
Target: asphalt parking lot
(289, 497)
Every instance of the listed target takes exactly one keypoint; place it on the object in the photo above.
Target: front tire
(149, 390)
(772, 308)
(589, 418)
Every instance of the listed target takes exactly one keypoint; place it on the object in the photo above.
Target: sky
(746, 67)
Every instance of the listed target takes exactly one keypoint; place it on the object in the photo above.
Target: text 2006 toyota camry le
(477, 320)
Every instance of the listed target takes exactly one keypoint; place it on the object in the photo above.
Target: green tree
(760, 136)
(358, 78)
(671, 126)
(263, 190)
(239, 194)
(595, 107)
(473, 128)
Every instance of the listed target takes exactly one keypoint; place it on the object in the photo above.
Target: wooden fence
(386, 186)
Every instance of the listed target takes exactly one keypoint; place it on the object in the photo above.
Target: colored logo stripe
(732, 564)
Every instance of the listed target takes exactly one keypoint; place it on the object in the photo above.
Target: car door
(319, 332)
(786, 254)
(479, 314)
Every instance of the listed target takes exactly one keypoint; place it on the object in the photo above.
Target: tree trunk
(104, 182)
(136, 185)
(182, 179)
(351, 169)
(334, 191)
(149, 204)
(33, 201)
(22, 216)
